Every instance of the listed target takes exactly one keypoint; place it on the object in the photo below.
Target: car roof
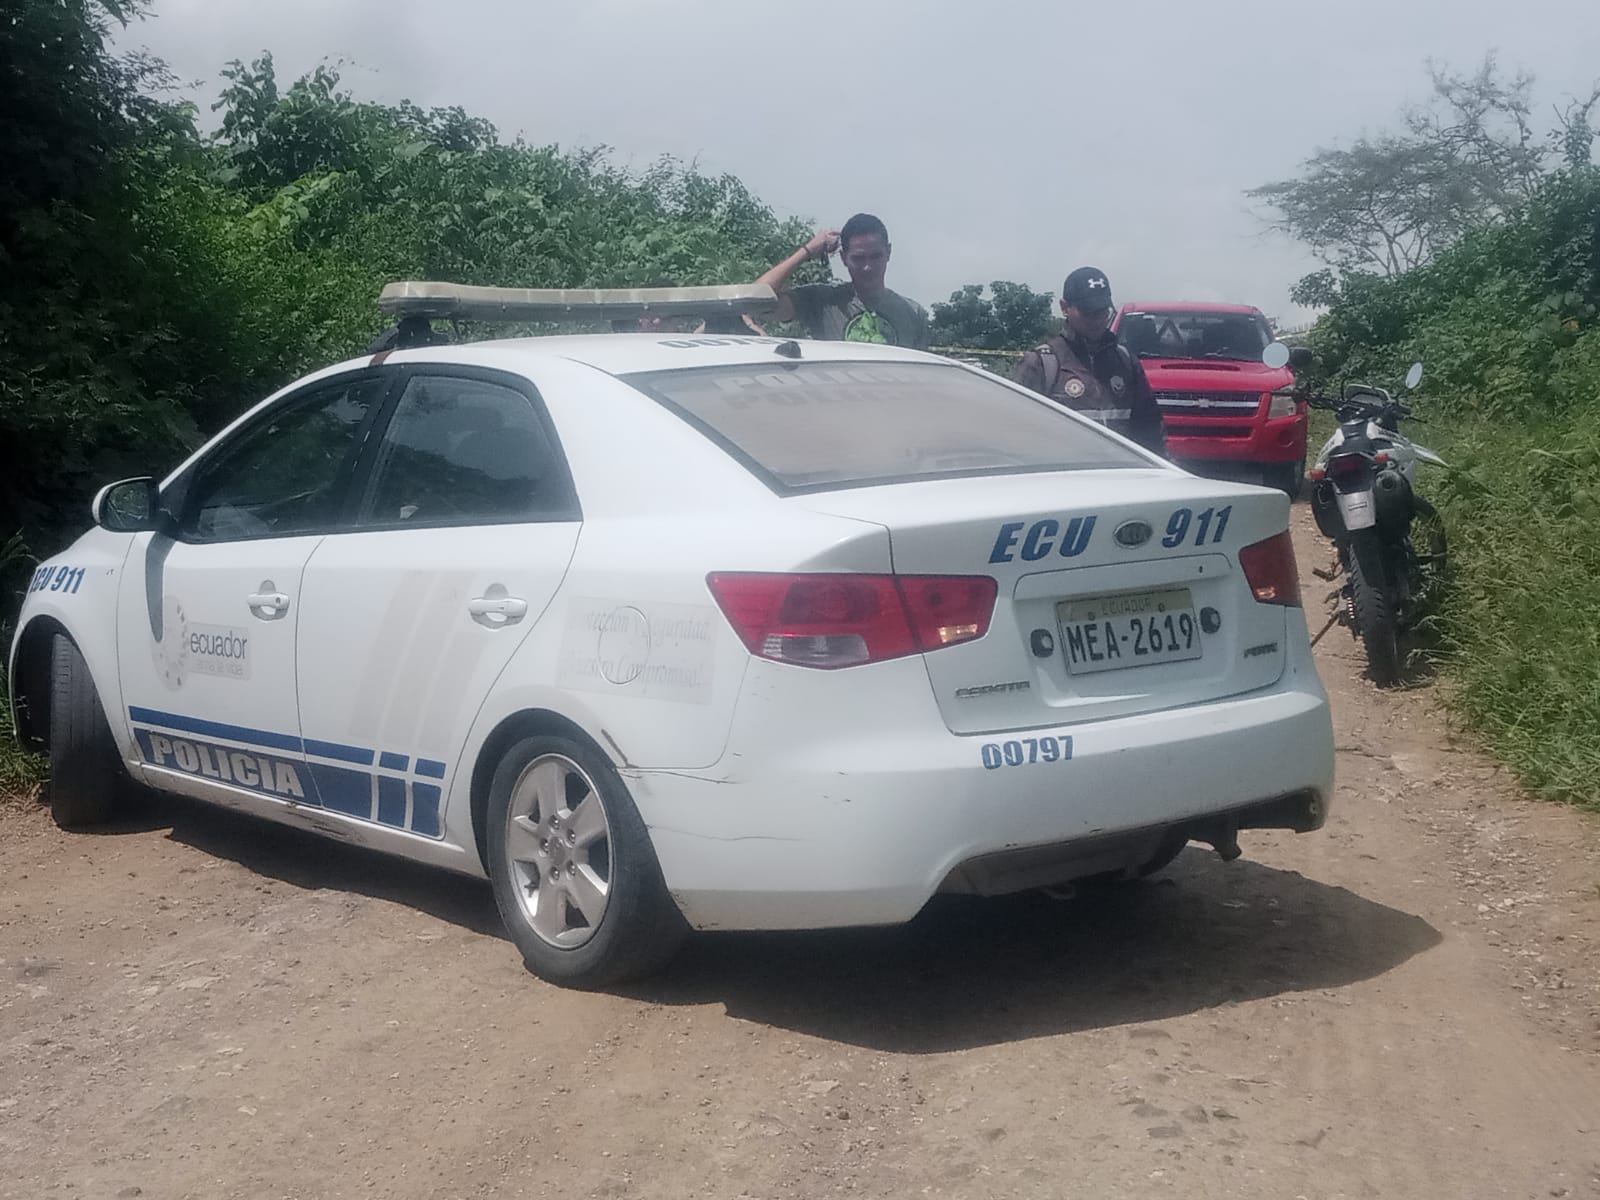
(614, 353)
(1191, 306)
(628, 353)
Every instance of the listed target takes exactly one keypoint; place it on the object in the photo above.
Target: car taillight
(1270, 570)
(831, 621)
(948, 609)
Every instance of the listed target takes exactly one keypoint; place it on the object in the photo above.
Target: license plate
(1357, 511)
(1134, 629)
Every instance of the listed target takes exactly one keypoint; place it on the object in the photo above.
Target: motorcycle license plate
(1357, 511)
(1133, 629)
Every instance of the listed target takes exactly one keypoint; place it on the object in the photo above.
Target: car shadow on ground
(308, 860)
(967, 972)
(971, 972)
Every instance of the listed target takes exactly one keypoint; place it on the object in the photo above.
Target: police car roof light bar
(465, 302)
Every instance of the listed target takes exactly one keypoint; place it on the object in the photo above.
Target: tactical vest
(1073, 384)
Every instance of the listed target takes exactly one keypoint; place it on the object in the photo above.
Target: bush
(1523, 623)
(21, 772)
(1508, 324)
(153, 282)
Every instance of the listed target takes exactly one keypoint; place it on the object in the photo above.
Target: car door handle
(495, 611)
(269, 606)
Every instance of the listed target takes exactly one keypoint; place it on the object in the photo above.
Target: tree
(63, 110)
(1014, 317)
(1384, 204)
(1320, 289)
(1026, 317)
(1390, 202)
(87, 291)
(1575, 133)
(153, 282)
(1483, 126)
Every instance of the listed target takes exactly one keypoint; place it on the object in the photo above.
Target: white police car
(661, 632)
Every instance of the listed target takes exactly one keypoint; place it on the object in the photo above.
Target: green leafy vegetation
(154, 281)
(1011, 317)
(1507, 321)
(20, 772)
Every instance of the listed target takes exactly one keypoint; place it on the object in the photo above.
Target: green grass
(21, 772)
(1521, 623)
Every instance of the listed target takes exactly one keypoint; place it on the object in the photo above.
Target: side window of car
(286, 474)
(462, 450)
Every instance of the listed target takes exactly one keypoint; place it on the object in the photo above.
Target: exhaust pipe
(1224, 839)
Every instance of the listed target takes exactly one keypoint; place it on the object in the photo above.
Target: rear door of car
(465, 519)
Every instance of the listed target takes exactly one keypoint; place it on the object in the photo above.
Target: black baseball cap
(1087, 288)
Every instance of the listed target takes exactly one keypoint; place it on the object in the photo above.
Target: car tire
(1168, 850)
(1163, 857)
(1289, 478)
(86, 773)
(574, 874)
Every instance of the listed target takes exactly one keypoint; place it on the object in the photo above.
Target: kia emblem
(1130, 535)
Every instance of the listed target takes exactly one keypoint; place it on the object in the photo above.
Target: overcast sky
(1012, 139)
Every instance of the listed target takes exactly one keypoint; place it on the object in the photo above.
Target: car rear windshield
(1154, 333)
(820, 426)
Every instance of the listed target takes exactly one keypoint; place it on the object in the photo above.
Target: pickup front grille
(1220, 404)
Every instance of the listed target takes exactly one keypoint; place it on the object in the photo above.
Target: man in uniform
(1085, 368)
(863, 310)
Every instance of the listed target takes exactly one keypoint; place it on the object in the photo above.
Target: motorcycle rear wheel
(1372, 612)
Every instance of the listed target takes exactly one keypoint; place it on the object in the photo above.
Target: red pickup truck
(1225, 411)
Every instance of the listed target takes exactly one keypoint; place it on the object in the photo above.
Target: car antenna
(789, 349)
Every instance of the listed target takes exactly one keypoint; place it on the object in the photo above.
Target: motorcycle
(1389, 539)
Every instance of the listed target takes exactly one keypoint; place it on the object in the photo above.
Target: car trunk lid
(1119, 591)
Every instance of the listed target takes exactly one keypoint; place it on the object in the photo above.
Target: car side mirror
(129, 506)
(1300, 357)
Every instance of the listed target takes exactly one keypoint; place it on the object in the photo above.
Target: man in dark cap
(1085, 368)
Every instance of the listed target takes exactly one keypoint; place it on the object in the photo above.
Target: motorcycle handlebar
(1358, 407)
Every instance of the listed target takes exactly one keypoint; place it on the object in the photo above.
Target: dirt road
(1406, 1004)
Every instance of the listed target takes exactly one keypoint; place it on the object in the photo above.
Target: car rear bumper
(858, 816)
(1281, 440)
